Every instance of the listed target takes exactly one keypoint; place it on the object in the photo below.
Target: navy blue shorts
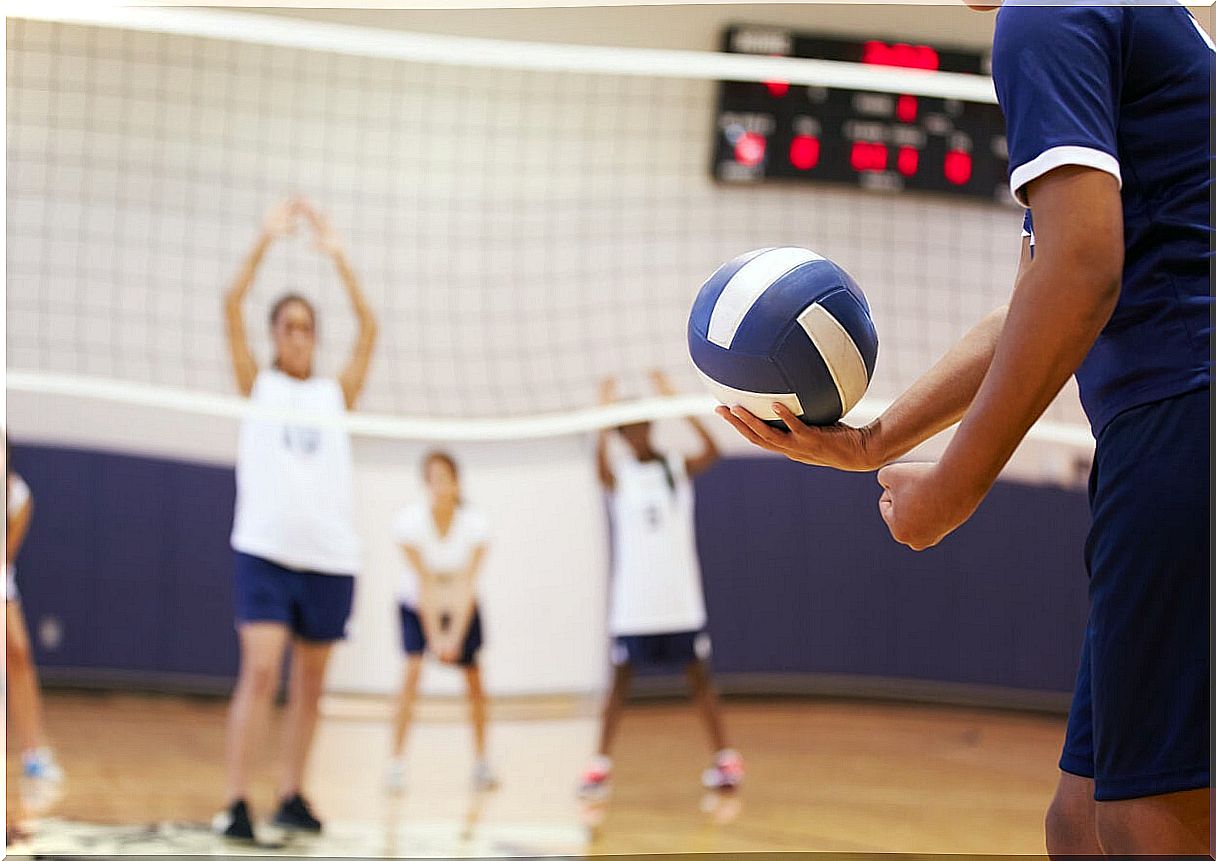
(1139, 719)
(413, 638)
(679, 647)
(313, 605)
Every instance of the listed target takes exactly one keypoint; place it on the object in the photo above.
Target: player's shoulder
(1040, 25)
(18, 491)
(408, 521)
(475, 520)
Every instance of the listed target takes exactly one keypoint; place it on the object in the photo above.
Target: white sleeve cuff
(1058, 157)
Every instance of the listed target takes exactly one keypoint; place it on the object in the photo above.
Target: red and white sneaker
(725, 773)
(597, 779)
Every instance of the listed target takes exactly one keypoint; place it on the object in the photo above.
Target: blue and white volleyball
(788, 326)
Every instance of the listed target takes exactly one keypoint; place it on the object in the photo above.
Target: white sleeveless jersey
(294, 482)
(656, 580)
(17, 497)
(452, 553)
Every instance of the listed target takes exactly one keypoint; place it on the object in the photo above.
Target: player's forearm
(350, 281)
(249, 268)
(941, 396)
(1056, 314)
(709, 447)
(428, 611)
(601, 460)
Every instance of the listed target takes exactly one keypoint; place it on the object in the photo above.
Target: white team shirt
(294, 482)
(18, 498)
(656, 578)
(448, 554)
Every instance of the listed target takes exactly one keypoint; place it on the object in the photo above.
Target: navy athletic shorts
(413, 638)
(1139, 719)
(313, 605)
(679, 647)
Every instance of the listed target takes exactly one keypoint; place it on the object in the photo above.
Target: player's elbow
(1094, 276)
(1102, 283)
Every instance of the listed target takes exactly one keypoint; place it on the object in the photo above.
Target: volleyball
(784, 325)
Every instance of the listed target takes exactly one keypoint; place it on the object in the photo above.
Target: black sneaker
(295, 815)
(234, 823)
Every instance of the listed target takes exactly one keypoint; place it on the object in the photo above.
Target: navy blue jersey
(1124, 89)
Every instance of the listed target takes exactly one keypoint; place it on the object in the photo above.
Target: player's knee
(18, 657)
(311, 686)
(1069, 828)
(260, 678)
(1116, 831)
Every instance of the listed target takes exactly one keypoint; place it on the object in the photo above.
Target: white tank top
(442, 554)
(656, 579)
(294, 482)
(16, 498)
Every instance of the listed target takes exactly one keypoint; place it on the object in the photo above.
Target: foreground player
(1107, 112)
(294, 534)
(444, 543)
(657, 611)
(41, 777)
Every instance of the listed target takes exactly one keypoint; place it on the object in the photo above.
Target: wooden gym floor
(822, 776)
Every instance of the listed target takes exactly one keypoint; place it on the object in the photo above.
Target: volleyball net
(525, 219)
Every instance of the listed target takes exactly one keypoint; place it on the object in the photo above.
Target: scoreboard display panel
(872, 140)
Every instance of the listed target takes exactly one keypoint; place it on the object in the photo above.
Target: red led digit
(958, 166)
(749, 149)
(777, 89)
(905, 109)
(907, 161)
(877, 53)
(804, 152)
(867, 156)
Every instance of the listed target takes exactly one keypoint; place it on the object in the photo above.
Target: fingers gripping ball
(784, 325)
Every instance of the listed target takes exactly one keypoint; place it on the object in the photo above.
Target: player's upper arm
(1078, 216)
(1059, 74)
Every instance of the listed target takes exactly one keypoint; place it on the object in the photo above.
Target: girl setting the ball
(296, 549)
(657, 612)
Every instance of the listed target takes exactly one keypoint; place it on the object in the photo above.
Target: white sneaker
(725, 773)
(483, 776)
(41, 779)
(596, 782)
(394, 777)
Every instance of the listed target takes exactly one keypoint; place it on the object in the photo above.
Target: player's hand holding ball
(840, 446)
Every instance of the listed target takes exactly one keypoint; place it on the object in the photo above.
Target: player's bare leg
(308, 662)
(403, 718)
(262, 647)
(1176, 823)
(483, 775)
(727, 769)
(596, 778)
(1070, 825)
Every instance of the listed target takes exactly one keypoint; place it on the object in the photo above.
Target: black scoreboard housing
(877, 141)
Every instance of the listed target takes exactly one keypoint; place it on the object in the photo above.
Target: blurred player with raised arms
(297, 552)
(657, 613)
(1108, 113)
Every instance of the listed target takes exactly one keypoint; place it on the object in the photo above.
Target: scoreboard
(880, 141)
